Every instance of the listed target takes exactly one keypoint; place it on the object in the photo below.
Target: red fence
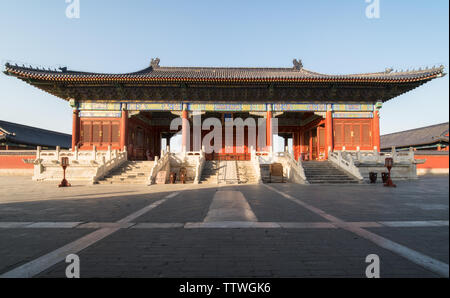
(19, 162)
(437, 162)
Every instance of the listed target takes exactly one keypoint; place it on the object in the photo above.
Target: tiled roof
(27, 135)
(219, 74)
(416, 137)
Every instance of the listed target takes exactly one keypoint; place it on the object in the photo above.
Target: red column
(75, 129)
(310, 145)
(294, 144)
(376, 129)
(123, 129)
(328, 132)
(300, 144)
(318, 142)
(269, 136)
(184, 130)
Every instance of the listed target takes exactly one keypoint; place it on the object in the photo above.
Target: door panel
(352, 133)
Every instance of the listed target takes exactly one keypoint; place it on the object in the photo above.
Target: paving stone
(172, 240)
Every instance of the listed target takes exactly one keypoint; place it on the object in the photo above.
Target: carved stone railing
(375, 157)
(265, 157)
(254, 158)
(75, 156)
(346, 163)
(364, 162)
(293, 169)
(199, 167)
(89, 165)
(170, 160)
(107, 166)
(160, 164)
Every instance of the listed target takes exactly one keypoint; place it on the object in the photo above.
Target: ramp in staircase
(246, 172)
(220, 172)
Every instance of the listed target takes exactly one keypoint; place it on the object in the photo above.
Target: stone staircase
(190, 171)
(267, 178)
(209, 173)
(131, 172)
(246, 172)
(324, 172)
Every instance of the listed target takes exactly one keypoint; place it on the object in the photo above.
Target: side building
(429, 143)
(18, 145)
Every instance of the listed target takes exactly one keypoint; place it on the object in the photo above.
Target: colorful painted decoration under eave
(100, 114)
(353, 115)
(300, 107)
(224, 107)
(149, 106)
(99, 105)
(353, 107)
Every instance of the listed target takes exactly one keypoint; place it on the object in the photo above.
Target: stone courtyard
(253, 230)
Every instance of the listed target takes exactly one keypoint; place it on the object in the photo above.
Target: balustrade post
(38, 152)
(76, 152)
(411, 154)
(94, 153)
(57, 152)
(377, 155)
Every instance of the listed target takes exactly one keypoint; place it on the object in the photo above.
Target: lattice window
(85, 135)
(96, 132)
(115, 132)
(106, 132)
(366, 140)
(356, 132)
(338, 135)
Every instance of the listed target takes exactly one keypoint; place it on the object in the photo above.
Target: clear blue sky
(122, 36)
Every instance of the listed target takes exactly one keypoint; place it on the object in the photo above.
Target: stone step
(328, 176)
(320, 172)
(126, 178)
(132, 172)
(326, 173)
(122, 182)
(209, 173)
(333, 182)
(331, 178)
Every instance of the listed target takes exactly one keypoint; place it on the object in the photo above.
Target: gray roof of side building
(416, 137)
(33, 136)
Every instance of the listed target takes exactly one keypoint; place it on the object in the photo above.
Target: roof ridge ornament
(388, 70)
(298, 65)
(155, 63)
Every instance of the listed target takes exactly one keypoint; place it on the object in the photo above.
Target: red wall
(433, 161)
(15, 161)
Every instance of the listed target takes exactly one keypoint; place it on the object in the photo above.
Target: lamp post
(64, 164)
(389, 163)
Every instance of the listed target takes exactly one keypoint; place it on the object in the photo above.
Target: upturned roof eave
(289, 76)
